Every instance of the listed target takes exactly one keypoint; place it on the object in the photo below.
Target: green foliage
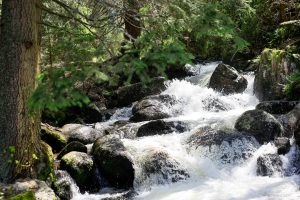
(292, 89)
(59, 88)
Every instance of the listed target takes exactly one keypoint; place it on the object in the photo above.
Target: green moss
(24, 196)
(47, 168)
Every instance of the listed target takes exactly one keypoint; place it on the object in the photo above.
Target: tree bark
(19, 59)
(132, 20)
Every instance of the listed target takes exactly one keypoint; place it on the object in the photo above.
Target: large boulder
(291, 123)
(63, 185)
(53, 137)
(160, 127)
(262, 125)
(80, 133)
(268, 165)
(227, 80)
(126, 95)
(81, 168)
(72, 146)
(274, 67)
(165, 168)
(115, 163)
(151, 108)
(277, 107)
(224, 146)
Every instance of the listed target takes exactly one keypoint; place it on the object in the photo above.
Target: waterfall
(215, 172)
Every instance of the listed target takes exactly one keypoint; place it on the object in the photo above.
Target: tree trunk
(132, 20)
(19, 59)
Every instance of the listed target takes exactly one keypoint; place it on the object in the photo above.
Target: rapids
(211, 176)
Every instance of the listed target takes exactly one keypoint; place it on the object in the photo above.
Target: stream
(225, 171)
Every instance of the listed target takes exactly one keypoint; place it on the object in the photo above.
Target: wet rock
(114, 162)
(62, 185)
(227, 80)
(277, 107)
(123, 130)
(31, 189)
(268, 165)
(283, 145)
(126, 95)
(121, 195)
(274, 68)
(80, 166)
(225, 146)
(81, 133)
(262, 125)
(291, 123)
(151, 108)
(163, 166)
(53, 137)
(207, 136)
(73, 146)
(160, 127)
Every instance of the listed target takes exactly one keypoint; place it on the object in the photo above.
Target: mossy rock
(53, 137)
(24, 196)
(46, 166)
(81, 167)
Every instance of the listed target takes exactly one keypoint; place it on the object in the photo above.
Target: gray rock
(114, 162)
(62, 185)
(81, 133)
(283, 145)
(152, 108)
(227, 80)
(291, 123)
(277, 107)
(262, 125)
(53, 137)
(80, 166)
(268, 164)
(166, 168)
(160, 127)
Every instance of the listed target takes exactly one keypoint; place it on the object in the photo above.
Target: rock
(123, 130)
(274, 67)
(277, 107)
(160, 127)
(62, 185)
(46, 165)
(227, 80)
(268, 165)
(283, 145)
(225, 146)
(121, 195)
(262, 125)
(81, 133)
(114, 162)
(53, 137)
(80, 166)
(160, 164)
(126, 95)
(177, 71)
(28, 189)
(291, 123)
(151, 108)
(73, 146)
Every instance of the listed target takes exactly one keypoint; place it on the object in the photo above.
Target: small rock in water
(262, 125)
(160, 127)
(283, 145)
(268, 165)
(227, 80)
(72, 146)
(62, 185)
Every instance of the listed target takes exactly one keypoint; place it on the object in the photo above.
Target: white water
(211, 178)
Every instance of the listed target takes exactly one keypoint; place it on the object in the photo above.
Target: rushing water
(210, 176)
